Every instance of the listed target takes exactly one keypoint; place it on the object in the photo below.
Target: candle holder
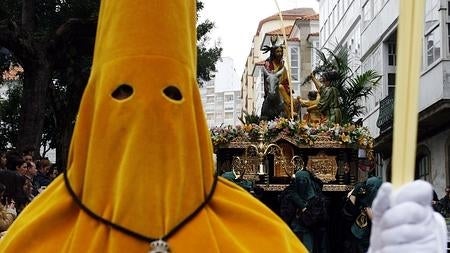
(262, 149)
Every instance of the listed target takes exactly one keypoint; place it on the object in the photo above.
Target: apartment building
(301, 26)
(368, 29)
(221, 96)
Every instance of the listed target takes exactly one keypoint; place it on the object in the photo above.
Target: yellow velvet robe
(145, 162)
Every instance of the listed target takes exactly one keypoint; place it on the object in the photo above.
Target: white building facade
(221, 96)
(368, 29)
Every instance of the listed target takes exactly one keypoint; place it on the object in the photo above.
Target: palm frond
(352, 87)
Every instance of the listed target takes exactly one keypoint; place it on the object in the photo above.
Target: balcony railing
(386, 116)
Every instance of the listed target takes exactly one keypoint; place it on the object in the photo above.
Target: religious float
(269, 153)
(293, 132)
(263, 157)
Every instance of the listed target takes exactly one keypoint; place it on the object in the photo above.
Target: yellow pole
(409, 48)
(287, 57)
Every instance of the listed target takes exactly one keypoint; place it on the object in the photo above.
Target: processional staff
(283, 30)
(410, 31)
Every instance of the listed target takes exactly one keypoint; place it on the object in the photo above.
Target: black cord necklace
(158, 245)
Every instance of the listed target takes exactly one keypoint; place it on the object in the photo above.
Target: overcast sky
(237, 20)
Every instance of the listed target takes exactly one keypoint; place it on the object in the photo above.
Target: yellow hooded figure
(140, 174)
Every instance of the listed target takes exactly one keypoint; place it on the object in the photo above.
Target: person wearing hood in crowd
(313, 234)
(357, 209)
(237, 179)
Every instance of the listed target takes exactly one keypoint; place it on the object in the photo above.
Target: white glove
(404, 221)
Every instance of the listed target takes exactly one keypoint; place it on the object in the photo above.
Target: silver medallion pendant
(159, 246)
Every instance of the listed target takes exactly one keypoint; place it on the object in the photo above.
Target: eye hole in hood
(122, 92)
(173, 93)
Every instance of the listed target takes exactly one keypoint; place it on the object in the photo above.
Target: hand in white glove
(404, 221)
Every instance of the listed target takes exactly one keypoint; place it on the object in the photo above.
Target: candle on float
(261, 169)
(409, 49)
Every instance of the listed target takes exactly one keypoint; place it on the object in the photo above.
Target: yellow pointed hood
(148, 138)
(144, 162)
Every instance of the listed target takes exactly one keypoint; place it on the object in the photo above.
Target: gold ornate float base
(323, 166)
(325, 188)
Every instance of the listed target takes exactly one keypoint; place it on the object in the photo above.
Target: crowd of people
(311, 221)
(22, 177)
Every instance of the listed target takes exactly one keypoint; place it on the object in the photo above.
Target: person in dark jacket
(307, 188)
(42, 179)
(358, 209)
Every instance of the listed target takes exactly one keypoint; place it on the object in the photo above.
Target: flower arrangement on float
(300, 131)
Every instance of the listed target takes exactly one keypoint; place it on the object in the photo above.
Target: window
(392, 56)
(448, 36)
(314, 58)
(229, 115)
(338, 12)
(447, 164)
(261, 84)
(209, 108)
(432, 42)
(229, 98)
(335, 17)
(431, 14)
(448, 8)
(210, 99)
(423, 164)
(328, 28)
(356, 40)
(332, 19)
(210, 91)
(229, 108)
(295, 66)
(377, 5)
(391, 84)
(367, 13)
(433, 46)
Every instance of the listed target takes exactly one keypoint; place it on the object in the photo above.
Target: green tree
(353, 87)
(53, 41)
(9, 111)
(206, 56)
(37, 34)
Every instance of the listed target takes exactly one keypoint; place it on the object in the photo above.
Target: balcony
(386, 116)
(431, 121)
